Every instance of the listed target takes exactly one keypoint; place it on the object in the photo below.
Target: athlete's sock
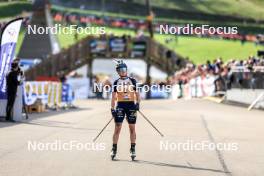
(133, 145)
(115, 147)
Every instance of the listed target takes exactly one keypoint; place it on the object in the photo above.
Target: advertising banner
(139, 49)
(117, 44)
(50, 93)
(9, 37)
(98, 46)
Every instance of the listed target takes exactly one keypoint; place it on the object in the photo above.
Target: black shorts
(126, 109)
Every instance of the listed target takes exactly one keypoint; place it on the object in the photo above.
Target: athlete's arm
(114, 94)
(137, 97)
(137, 94)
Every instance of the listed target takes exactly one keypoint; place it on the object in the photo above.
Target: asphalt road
(186, 124)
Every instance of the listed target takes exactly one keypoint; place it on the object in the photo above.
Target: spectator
(13, 79)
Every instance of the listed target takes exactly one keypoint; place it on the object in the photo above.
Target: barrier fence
(247, 81)
(50, 93)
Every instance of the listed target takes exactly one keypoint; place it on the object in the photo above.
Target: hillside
(224, 11)
(206, 10)
(239, 8)
(12, 9)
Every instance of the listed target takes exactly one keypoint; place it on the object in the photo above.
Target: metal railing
(246, 80)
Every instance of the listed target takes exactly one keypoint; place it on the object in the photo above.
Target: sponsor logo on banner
(52, 93)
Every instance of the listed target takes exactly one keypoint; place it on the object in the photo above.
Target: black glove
(113, 111)
(137, 106)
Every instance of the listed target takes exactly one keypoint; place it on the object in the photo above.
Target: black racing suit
(12, 84)
(125, 100)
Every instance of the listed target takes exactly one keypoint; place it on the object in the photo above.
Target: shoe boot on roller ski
(133, 153)
(113, 154)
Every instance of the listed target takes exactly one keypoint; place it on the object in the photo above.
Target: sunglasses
(122, 70)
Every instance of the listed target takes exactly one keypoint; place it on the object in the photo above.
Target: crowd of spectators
(232, 74)
(139, 24)
(134, 24)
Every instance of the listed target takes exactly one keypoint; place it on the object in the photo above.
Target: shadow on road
(63, 125)
(33, 118)
(172, 165)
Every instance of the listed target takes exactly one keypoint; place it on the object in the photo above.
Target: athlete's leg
(118, 127)
(131, 114)
(9, 108)
(132, 131)
(119, 117)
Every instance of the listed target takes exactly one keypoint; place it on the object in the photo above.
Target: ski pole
(151, 123)
(103, 129)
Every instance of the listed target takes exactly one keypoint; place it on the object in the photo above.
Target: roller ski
(133, 154)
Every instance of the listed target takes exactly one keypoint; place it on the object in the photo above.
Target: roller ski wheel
(133, 158)
(132, 154)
